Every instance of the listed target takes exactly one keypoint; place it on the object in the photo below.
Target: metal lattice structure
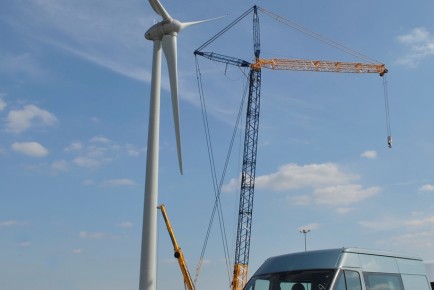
(242, 249)
(245, 213)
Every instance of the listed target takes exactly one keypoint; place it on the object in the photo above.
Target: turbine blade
(170, 52)
(159, 9)
(187, 24)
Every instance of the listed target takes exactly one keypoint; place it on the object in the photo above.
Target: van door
(348, 280)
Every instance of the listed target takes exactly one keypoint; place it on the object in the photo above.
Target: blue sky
(74, 98)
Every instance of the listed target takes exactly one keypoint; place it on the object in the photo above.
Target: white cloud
(405, 232)
(392, 222)
(94, 157)
(98, 151)
(370, 154)
(382, 224)
(329, 185)
(60, 165)
(301, 200)
(77, 251)
(344, 210)
(125, 225)
(22, 65)
(420, 222)
(119, 182)
(415, 240)
(30, 116)
(74, 146)
(309, 227)
(92, 235)
(25, 244)
(417, 35)
(343, 194)
(33, 149)
(421, 46)
(133, 151)
(232, 185)
(427, 187)
(88, 182)
(293, 176)
(100, 139)
(96, 235)
(12, 223)
(95, 120)
(86, 161)
(2, 102)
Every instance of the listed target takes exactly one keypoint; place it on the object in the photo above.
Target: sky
(74, 108)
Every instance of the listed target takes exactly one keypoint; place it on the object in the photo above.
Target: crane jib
(367, 65)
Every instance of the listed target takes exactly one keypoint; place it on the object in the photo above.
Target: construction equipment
(188, 282)
(242, 249)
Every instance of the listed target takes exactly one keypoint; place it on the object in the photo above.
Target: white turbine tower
(164, 35)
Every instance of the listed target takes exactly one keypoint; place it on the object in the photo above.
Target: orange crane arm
(318, 65)
(178, 253)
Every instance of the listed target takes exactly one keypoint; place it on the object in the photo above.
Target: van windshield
(295, 280)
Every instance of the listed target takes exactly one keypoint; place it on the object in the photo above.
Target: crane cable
(217, 187)
(225, 29)
(319, 37)
(386, 108)
(346, 50)
(217, 204)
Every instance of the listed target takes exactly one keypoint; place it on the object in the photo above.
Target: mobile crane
(188, 282)
(242, 249)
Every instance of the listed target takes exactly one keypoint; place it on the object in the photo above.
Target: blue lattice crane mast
(242, 249)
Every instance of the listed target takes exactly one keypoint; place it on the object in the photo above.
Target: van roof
(380, 253)
(321, 259)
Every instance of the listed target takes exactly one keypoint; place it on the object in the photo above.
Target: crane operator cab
(341, 269)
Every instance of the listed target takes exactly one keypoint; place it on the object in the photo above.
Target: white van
(341, 269)
(430, 270)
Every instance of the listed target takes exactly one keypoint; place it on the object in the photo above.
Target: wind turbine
(164, 35)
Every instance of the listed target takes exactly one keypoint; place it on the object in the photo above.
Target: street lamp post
(304, 232)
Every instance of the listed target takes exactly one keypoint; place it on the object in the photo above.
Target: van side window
(260, 284)
(418, 282)
(353, 280)
(349, 280)
(383, 281)
(340, 284)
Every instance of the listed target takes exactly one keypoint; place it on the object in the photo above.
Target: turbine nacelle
(159, 30)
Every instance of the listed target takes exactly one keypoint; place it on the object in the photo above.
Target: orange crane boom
(178, 253)
(319, 66)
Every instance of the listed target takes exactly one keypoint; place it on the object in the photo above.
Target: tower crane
(242, 249)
